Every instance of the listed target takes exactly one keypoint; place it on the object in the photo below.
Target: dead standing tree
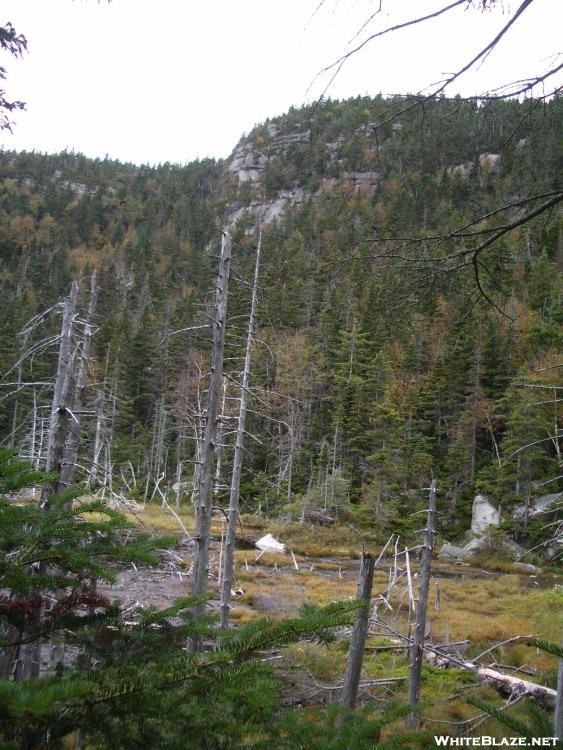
(206, 467)
(420, 626)
(29, 654)
(71, 451)
(60, 409)
(227, 573)
(349, 693)
(64, 431)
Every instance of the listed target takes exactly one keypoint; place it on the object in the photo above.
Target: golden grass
(483, 609)
(322, 541)
(480, 609)
(159, 519)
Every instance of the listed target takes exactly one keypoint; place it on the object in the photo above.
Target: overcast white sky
(151, 81)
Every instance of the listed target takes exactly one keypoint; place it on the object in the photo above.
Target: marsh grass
(485, 602)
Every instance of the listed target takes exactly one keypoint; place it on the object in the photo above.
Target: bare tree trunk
(93, 475)
(179, 463)
(206, 474)
(474, 420)
(197, 463)
(29, 655)
(68, 468)
(71, 450)
(108, 477)
(60, 410)
(219, 449)
(227, 577)
(355, 659)
(420, 626)
(410, 592)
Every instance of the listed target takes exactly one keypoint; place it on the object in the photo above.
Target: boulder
(484, 515)
(476, 545)
(528, 568)
(269, 544)
(509, 545)
(450, 550)
(500, 545)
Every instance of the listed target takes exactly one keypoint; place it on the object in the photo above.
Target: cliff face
(291, 161)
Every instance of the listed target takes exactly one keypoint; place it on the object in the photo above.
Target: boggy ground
(467, 603)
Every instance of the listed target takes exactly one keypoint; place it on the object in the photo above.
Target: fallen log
(505, 683)
(515, 686)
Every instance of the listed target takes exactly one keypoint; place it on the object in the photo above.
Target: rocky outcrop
(363, 183)
(463, 171)
(489, 163)
(283, 141)
(538, 506)
(247, 164)
(484, 515)
(264, 212)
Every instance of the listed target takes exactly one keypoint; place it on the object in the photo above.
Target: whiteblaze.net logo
(488, 741)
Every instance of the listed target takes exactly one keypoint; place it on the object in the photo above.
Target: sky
(177, 80)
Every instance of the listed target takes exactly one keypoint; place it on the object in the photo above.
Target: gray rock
(511, 546)
(528, 568)
(450, 550)
(484, 515)
(499, 545)
(287, 140)
(476, 545)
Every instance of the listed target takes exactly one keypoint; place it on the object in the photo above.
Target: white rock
(484, 515)
(269, 544)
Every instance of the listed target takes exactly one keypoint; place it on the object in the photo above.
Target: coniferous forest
(384, 304)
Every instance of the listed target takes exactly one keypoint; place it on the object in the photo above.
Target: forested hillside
(384, 354)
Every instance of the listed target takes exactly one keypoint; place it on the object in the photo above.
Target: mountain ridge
(384, 360)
